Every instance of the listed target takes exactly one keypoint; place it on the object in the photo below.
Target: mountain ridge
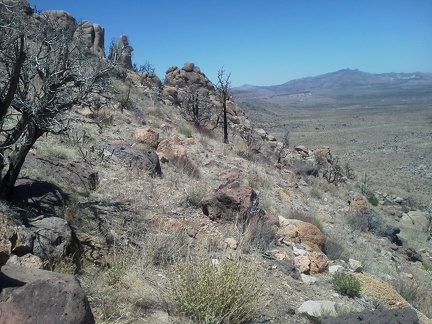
(341, 80)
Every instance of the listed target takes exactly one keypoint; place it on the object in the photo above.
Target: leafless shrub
(364, 220)
(334, 250)
(185, 165)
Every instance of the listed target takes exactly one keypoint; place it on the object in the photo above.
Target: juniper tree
(45, 69)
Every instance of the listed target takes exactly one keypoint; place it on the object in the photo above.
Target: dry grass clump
(334, 250)
(209, 291)
(185, 165)
(364, 220)
(416, 292)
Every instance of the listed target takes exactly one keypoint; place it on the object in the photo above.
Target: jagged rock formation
(121, 53)
(93, 35)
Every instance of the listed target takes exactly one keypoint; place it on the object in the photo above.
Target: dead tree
(223, 88)
(196, 106)
(44, 70)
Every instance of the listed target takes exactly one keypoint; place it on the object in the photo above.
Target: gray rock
(42, 297)
(315, 309)
(54, 239)
(382, 316)
(355, 265)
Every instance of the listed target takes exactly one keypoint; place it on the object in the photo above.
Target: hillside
(142, 214)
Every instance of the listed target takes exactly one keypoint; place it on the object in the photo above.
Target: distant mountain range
(345, 83)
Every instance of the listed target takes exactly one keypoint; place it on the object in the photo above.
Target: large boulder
(137, 156)
(147, 136)
(230, 201)
(54, 239)
(8, 238)
(314, 309)
(38, 296)
(77, 174)
(312, 262)
(299, 231)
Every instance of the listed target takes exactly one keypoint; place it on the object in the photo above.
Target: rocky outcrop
(136, 156)
(38, 296)
(93, 36)
(78, 174)
(190, 74)
(121, 53)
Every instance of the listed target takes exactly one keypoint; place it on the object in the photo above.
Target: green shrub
(346, 284)
(373, 200)
(186, 131)
(227, 292)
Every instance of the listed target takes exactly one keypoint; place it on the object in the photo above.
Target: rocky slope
(134, 185)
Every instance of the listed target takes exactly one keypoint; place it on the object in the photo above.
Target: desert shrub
(184, 164)
(415, 292)
(260, 233)
(195, 194)
(186, 131)
(364, 220)
(346, 284)
(305, 169)
(334, 250)
(250, 156)
(315, 192)
(373, 200)
(161, 249)
(228, 291)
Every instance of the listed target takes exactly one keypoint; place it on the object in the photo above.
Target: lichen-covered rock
(43, 297)
(8, 238)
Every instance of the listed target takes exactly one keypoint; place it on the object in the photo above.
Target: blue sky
(267, 42)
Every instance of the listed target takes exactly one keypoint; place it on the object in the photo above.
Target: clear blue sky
(266, 42)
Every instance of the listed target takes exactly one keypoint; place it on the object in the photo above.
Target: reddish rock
(147, 136)
(312, 262)
(229, 202)
(302, 232)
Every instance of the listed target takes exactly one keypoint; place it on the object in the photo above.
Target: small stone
(355, 265)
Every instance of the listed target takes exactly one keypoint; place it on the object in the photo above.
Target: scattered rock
(355, 265)
(314, 309)
(380, 316)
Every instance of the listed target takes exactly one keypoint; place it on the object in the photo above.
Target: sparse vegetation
(216, 291)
